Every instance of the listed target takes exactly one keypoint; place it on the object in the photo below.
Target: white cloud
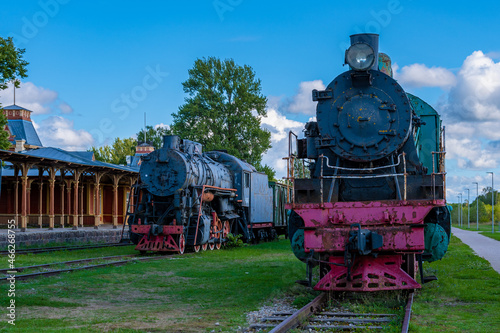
(476, 96)
(161, 125)
(57, 131)
(302, 102)
(471, 113)
(279, 126)
(40, 100)
(419, 75)
(65, 108)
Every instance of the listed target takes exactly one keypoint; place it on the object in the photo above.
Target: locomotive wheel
(204, 247)
(181, 242)
(197, 248)
(211, 246)
(217, 246)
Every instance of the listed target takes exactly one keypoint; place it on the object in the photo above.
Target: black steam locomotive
(374, 206)
(185, 197)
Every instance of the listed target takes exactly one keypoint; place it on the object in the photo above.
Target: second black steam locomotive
(187, 198)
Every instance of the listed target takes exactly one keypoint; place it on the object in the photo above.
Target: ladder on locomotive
(133, 194)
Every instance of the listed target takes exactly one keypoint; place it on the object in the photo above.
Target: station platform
(42, 236)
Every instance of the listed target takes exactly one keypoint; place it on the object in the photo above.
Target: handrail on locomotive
(290, 177)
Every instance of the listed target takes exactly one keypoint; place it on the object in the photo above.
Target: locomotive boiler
(374, 206)
(187, 198)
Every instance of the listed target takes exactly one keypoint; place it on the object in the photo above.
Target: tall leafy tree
(153, 135)
(223, 109)
(12, 67)
(116, 153)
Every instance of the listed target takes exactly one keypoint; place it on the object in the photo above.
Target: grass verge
(464, 299)
(192, 293)
(213, 290)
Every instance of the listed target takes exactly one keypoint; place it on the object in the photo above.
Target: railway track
(311, 317)
(110, 261)
(64, 248)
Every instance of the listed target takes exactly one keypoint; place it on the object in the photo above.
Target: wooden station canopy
(66, 169)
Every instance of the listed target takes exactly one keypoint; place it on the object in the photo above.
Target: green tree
(116, 153)
(154, 136)
(4, 135)
(270, 172)
(12, 67)
(223, 109)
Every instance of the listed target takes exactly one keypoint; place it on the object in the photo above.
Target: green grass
(496, 235)
(187, 293)
(193, 292)
(464, 299)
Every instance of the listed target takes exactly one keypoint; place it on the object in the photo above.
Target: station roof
(59, 158)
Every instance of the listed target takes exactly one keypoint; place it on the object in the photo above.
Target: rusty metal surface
(167, 229)
(368, 274)
(301, 315)
(396, 238)
(406, 320)
(366, 213)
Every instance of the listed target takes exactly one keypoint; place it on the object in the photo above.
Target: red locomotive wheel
(196, 248)
(204, 247)
(211, 246)
(217, 246)
(182, 243)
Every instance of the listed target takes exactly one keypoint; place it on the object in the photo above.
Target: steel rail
(64, 248)
(70, 262)
(406, 320)
(301, 315)
(56, 272)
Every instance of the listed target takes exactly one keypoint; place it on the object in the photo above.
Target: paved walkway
(483, 246)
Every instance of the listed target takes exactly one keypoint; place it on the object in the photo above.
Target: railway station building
(52, 187)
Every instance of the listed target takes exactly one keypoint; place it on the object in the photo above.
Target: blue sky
(97, 66)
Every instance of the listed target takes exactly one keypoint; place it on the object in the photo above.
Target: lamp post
(477, 205)
(460, 209)
(492, 205)
(468, 208)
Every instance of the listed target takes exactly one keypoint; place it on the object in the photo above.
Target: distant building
(142, 149)
(50, 187)
(22, 133)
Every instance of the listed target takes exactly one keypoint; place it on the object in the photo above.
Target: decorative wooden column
(16, 194)
(97, 198)
(51, 203)
(81, 206)
(40, 193)
(24, 186)
(68, 198)
(24, 198)
(62, 186)
(76, 181)
(28, 200)
(116, 180)
(52, 181)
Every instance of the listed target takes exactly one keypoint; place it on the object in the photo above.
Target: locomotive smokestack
(171, 142)
(372, 41)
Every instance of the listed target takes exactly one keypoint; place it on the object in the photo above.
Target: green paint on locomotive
(428, 136)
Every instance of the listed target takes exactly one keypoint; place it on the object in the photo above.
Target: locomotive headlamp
(360, 56)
